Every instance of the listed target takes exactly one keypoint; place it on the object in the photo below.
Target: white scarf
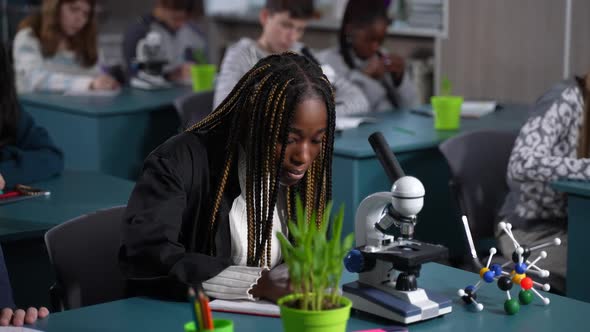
(238, 221)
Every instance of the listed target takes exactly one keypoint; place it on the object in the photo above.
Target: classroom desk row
(578, 211)
(111, 135)
(24, 223)
(146, 315)
(357, 173)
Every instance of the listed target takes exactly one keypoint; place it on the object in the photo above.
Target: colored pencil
(195, 309)
(206, 311)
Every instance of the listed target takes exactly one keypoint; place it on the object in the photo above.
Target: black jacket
(166, 239)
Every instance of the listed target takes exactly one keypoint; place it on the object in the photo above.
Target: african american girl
(210, 201)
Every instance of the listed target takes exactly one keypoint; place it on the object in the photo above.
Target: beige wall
(580, 44)
(504, 49)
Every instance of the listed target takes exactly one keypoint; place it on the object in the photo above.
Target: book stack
(426, 14)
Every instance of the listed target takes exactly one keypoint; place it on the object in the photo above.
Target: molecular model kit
(513, 272)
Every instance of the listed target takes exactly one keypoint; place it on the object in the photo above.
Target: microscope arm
(368, 213)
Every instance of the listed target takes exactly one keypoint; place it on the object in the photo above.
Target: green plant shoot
(446, 87)
(199, 56)
(315, 262)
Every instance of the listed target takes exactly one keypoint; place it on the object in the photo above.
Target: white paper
(16, 329)
(345, 122)
(93, 93)
(476, 109)
(246, 307)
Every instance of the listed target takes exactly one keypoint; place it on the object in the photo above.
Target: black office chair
(193, 108)
(84, 254)
(478, 163)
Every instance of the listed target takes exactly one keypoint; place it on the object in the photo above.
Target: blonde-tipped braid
(256, 115)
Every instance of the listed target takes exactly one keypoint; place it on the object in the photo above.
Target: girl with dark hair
(362, 60)
(554, 144)
(27, 153)
(210, 201)
(55, 49)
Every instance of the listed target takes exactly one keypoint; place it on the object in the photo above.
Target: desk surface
(407, 131)
(581, 188)
(130, 100)
(72, 194)
(145, 315)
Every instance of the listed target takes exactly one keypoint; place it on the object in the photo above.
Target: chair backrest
(193, 108)
(478, 163)
(84, 255)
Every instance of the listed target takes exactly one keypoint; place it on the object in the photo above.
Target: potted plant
(315, 262)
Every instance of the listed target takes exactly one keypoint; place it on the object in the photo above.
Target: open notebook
(347, 122)
(258, 308)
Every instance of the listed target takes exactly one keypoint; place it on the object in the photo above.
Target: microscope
(389, 266)
(150, 63)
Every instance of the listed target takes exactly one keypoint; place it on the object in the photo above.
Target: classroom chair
(193, 108)
(84, 254)
(478, 162)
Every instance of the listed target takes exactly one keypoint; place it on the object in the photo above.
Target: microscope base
(369, 299)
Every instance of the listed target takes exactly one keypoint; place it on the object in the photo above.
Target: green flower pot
(296, 320)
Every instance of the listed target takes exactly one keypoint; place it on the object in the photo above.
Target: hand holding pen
(395, 65)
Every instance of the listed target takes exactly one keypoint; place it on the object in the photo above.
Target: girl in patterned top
(553, 144)
(55, 49)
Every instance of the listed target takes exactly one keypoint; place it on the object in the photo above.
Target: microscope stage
(410, 254)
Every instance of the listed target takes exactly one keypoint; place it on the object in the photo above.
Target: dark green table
(111, 135)
(24, 223)
(357, 173)
(578, 212)
(146, 315)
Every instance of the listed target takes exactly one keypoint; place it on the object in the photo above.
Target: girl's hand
(273, 284)
(104, 82)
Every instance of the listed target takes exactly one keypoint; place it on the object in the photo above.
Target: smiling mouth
(295, 175)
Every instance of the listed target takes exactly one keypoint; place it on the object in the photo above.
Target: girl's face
(366, 41)
(304, 141)
(73, 16)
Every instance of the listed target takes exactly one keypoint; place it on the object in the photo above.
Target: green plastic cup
(447, 112)
(203, 77)
(221, 325)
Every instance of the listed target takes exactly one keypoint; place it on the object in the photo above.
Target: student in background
(8, 316)
(283, 23)
(27, 153)
(382, 76)
(210, 200)
(55, 49)
(182, 42)
(553, 144)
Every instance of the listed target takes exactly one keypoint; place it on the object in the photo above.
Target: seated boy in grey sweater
(180, 39)
(283, 23)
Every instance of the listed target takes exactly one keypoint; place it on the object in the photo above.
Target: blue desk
(578, 211)
(111, 135)
(23, 225)
(357, 173)
(146, 315)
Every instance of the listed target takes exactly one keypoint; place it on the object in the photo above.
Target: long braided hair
(9, 106)
(257, 115)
